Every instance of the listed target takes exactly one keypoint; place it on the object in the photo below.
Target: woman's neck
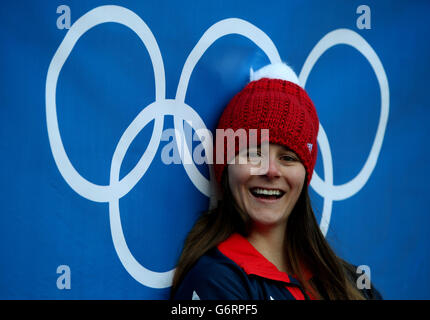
(270, 243)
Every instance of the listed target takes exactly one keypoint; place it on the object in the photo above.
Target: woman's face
(268, 198)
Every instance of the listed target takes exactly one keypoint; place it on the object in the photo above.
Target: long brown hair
(305, 245)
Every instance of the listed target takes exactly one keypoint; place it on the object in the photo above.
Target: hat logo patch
(310, 145)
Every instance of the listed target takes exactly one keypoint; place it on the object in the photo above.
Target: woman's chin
(267, 219)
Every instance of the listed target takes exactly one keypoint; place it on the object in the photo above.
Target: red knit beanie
(274, 100)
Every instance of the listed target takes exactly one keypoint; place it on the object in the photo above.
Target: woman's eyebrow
(285, 149)
(290, 152)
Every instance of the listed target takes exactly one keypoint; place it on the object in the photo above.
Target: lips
(266, 193)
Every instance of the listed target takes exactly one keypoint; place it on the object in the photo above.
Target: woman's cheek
(238, 178)
(297, 176)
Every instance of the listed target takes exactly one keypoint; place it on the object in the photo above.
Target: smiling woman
(262, 241)
(268, 199)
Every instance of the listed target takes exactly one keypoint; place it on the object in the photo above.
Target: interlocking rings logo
(161, 107)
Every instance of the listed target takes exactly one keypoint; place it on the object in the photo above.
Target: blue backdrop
(82, 111)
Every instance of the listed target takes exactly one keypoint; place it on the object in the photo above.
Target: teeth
(267, 192)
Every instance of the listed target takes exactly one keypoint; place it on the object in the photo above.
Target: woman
(263, 241)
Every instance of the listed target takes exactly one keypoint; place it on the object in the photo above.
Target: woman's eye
(288, 158)
(254, 154)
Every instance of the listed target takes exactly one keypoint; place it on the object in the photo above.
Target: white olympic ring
(326, 189)
(182, 112)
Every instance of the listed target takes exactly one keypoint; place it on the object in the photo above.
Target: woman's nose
(273, 169)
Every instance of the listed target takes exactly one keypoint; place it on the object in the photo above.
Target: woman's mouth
(266, 194)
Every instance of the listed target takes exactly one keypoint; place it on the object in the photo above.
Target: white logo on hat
(310, 145)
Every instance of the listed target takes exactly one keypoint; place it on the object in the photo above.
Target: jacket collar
(243, 253)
